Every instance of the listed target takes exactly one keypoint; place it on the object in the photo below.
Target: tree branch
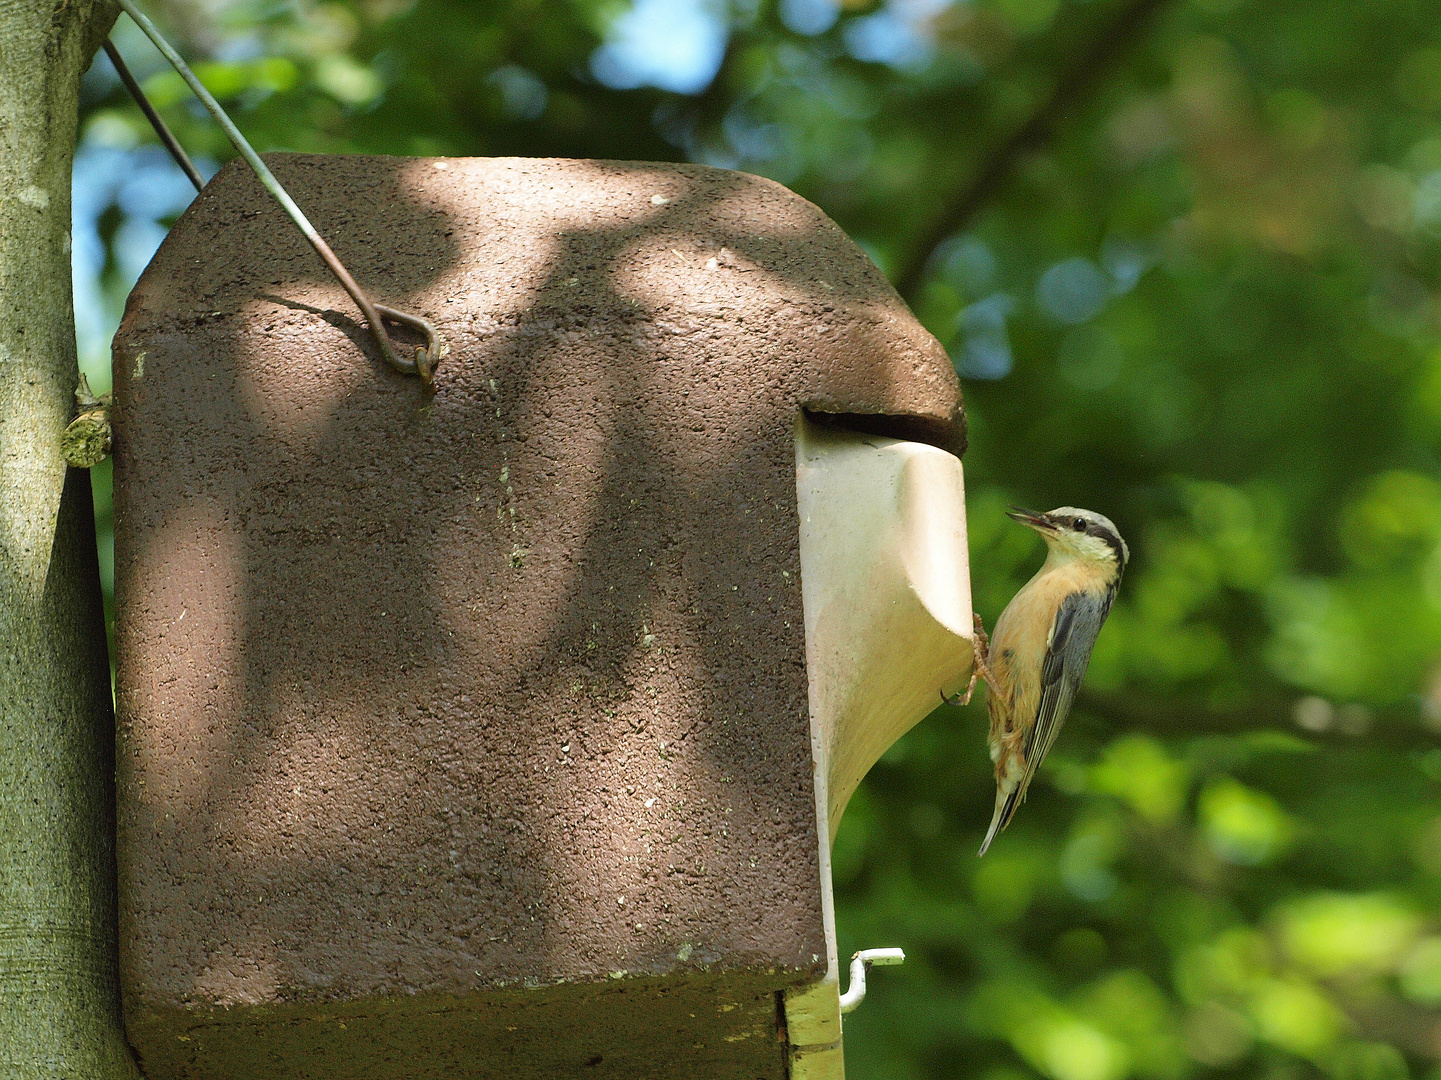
(1075, 84)
(59, 968)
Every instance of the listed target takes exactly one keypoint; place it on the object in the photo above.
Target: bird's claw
(981, 659)
(980, 667)
(963, 699)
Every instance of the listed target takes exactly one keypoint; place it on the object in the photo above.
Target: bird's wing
(1067, 653)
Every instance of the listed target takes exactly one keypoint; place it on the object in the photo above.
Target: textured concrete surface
(691, 1026)
(480, 717)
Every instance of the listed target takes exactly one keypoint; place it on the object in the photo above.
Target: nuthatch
(1034, 662)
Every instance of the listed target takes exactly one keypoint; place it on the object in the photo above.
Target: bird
(1035, 660)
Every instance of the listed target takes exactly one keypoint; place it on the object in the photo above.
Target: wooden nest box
(500, 730)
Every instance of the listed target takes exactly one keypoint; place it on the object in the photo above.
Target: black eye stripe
(1111, 539)
(1107, 535)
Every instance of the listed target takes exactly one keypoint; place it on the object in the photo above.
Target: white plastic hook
(860, 964)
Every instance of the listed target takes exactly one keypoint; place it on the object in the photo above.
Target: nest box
(502, 730)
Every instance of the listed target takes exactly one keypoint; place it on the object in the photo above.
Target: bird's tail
(1007, 799)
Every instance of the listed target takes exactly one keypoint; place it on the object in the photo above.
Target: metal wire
(162, 130)
(427, 356)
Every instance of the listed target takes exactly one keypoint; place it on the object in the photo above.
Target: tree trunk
(59, 993)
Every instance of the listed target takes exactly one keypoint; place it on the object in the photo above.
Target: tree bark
(59, 991)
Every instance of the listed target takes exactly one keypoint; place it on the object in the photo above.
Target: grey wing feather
(1073, 635)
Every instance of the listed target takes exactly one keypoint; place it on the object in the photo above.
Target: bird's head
(1081, 534)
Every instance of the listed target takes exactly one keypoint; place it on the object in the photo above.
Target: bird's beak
(1040, 522)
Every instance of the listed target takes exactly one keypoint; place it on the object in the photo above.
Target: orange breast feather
(1018, 647)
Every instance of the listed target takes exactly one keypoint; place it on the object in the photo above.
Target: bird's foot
(961, 699)
(981, 659)
(980, 669)
(983, 643)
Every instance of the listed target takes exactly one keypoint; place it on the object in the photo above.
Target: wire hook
(427, 356)
(860, 964)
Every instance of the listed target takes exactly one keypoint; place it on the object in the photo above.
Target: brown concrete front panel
(691, 1027)
(466, 702)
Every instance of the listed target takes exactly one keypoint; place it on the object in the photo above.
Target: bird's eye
(1079, 524)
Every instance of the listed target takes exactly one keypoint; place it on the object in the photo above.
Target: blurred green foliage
(1203, 302)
